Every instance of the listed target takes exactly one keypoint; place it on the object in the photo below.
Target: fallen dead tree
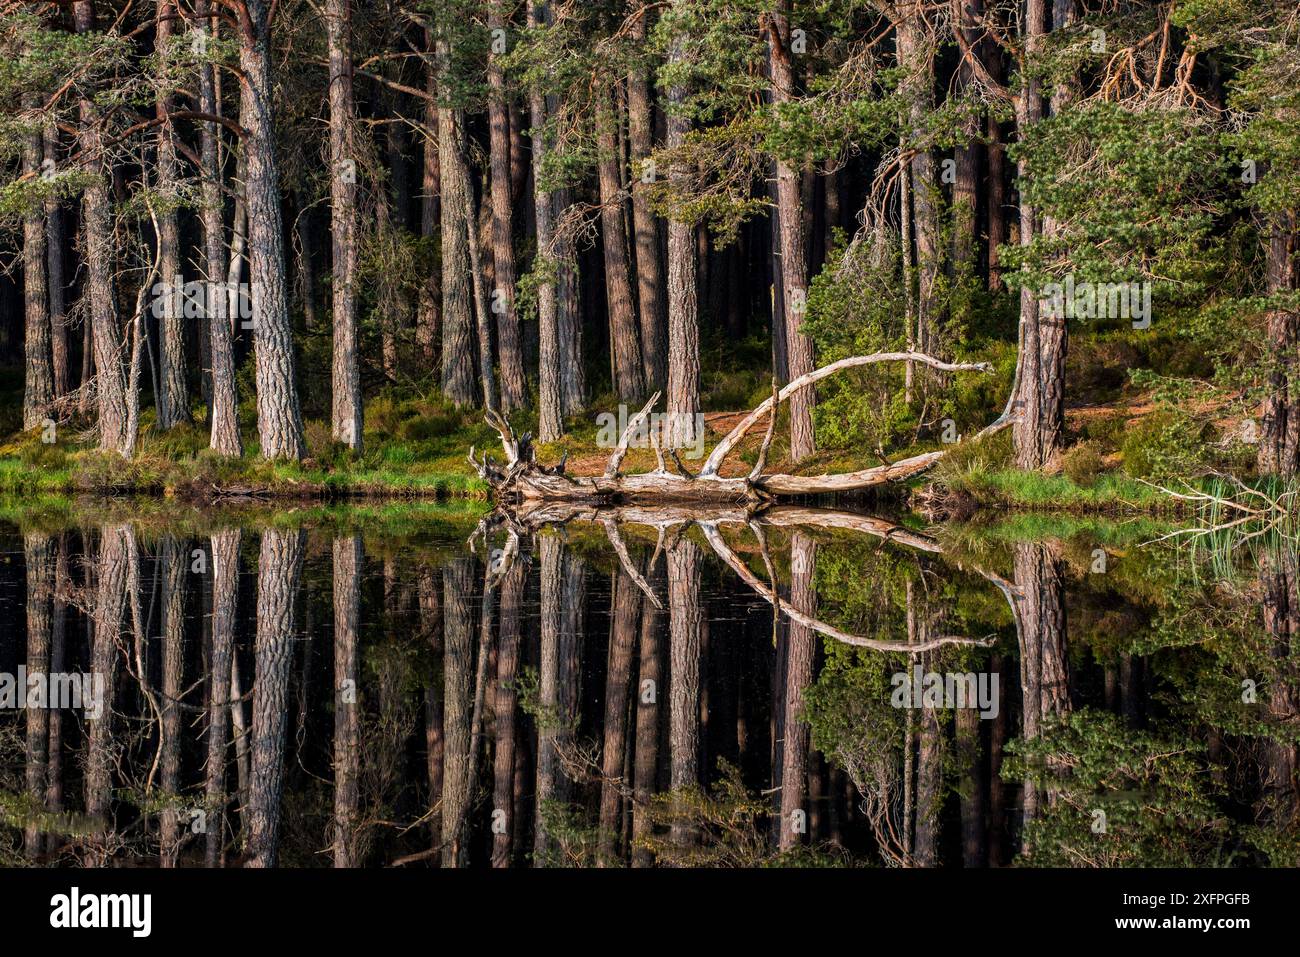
(522, 479)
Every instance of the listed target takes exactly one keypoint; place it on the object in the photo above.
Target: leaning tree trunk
(279, 418)
(173, 400)
(1279, 444)
(649, 262)
(224, 416)
(794, 264)
(110, 379)
(514, 384)
(345, 373)
(278, 570)
(38, 388)
(683, 297)
(625, 349)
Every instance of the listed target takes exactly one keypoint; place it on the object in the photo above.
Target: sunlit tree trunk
(38, 390)
(173, 398)
(97, 227)
(624, 344)
(279, 418)
(224, 422)
(514, 384)
(550, 411)
(458, 351)
(278, 568)
(794, 262)
(56, 275)
(345, 375)
(683, 297)
(649, 261)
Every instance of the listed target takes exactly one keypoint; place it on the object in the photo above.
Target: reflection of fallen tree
(522, 479)
(671, 522)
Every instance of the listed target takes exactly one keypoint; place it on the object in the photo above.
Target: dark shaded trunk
(38, 383)
(56, 276)
(225, 608)
(38, 557)
(174, 569)
(505, 829)
(801, 650)
(348, 561)
(685, 627)
(1279, 443)
(625, 604)
(458, 679)
(625, 348)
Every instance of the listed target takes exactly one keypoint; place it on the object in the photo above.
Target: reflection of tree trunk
(431, 625)
(58, 633)
(38, 554)
(649, 686)
(562, 597)
(348, 558)
(1040, 608)
(225, 606)
(929, 780)
(626, 608)
(685, 622)
(458, 672)
(801, 648)
(997, 738)
(278, 568)
(173, 656)
(504, 704)
(117, 542)
(972, 787)
(1280, 583)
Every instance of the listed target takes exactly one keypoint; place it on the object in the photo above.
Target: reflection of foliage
(547, 719)
(728, 826)
(1156, 793)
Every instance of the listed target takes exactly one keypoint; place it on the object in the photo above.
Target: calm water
(332, 688)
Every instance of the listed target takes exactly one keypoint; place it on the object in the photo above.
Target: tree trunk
(550, 411)
(514, 383)
(38, 558)
(649, 263)
(110, 380)
(279, 418)
(625, 349)
(278, 569)
(625, 601)
(504, 708)
(173, 400)
(794, 260)
(224, 417)
(347, 413)
(38, 391)
(56, 276)
(683, 297)
(457, 289)
(1040, 392)
(117, 542)
(428, 322)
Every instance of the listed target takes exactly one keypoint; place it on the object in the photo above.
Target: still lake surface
(366, 687)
